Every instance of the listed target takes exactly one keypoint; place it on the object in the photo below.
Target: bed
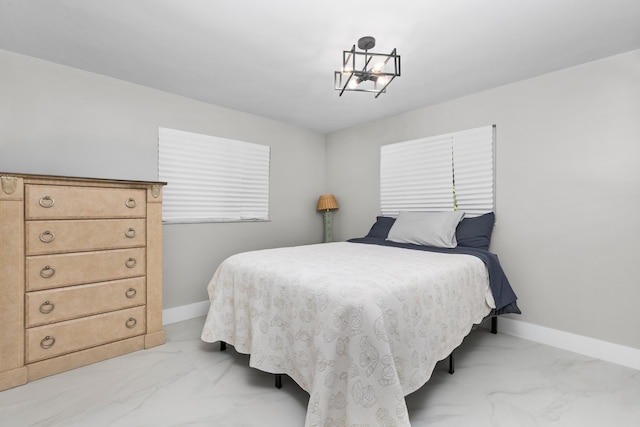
(358, 324)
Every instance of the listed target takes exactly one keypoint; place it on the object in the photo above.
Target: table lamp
(326, 204)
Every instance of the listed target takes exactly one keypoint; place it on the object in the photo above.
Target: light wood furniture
(80, 272)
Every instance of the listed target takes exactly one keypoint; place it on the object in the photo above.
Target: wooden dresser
(80, 272)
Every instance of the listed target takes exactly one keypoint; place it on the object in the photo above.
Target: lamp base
(327, 219)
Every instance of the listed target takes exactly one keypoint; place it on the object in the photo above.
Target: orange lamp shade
(327, 202)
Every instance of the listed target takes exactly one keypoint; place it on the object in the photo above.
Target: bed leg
(494, 325)
(223, 346)
(451, 364)
(278, 380)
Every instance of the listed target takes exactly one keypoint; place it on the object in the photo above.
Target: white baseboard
(603, 350)
(184, 312)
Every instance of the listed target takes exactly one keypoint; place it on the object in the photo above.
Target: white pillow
(426, 228)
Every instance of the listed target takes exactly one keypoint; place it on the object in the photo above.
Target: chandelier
(366, 71)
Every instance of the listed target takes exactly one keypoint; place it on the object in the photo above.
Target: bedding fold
(503, 294)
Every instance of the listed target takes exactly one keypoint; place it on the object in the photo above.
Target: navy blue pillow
(476, 232)
(380, 229)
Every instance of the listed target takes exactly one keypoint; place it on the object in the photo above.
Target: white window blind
(473, 170)
(416, 176)
(419, 175)
(211, 179)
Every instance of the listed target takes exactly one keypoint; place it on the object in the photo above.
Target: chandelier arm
(348, 56)
(351, 55)
(391, 55)
(384, 88)
(366, 64)
(346, 83)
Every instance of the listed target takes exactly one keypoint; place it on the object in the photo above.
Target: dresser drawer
(43, 342)
(58, 201)
(55, 305)
(54, 271)
(46, 237)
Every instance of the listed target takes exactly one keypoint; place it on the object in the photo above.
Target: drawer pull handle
(130, 233)
(47, 201)
(47, 272)
(131, 203)
(47, 342)
(47, 236)
(130, 293)
(47, 307)
(131, 323)
(130, 263)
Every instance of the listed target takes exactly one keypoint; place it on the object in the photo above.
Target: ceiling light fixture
(366, 71)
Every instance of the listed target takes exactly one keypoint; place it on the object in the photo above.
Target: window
(442, 173)
(211, 179)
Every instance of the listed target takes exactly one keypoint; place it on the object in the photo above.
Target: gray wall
(568, 189)
(568, 181)
(63, 121)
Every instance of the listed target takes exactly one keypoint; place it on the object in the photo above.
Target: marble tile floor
(500, 380)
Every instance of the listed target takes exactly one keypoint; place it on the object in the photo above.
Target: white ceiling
(277, 58)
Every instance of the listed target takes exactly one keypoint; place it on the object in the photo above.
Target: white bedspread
(357, 326)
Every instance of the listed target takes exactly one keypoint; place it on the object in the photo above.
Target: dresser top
(70, 179)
